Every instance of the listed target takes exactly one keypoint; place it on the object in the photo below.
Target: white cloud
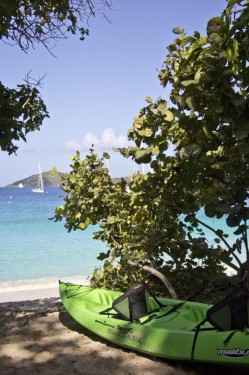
(89, 140)
(72, 146)
(107, 140)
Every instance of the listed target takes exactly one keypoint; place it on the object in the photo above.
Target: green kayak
(167, 328)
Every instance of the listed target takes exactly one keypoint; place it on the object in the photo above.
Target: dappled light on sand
(39, 337)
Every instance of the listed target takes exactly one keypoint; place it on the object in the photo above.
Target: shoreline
(36, 289)
(29, 295)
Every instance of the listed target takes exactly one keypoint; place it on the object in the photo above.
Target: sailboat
(40, 186)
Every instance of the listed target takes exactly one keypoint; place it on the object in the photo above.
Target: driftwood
(158, 274)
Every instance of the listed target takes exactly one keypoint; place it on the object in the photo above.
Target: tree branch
(222, 239)
(158, 274)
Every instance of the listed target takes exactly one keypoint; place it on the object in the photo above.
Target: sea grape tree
(207, 122)
(154, 217)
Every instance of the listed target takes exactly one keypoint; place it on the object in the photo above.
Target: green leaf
(242, 134)
(155, 150)
(243, 131)
(194, 46)
(112, 219)
(162, 108)
(210, 209)
(178, 30)
(103, 256)
(146, 133)
(106, 155)
(85, 224)
(148, 99)
(72, 178)
(223, 208)
(190, 151)
(243, 148)
(189, 82)
(203, 40)
(191, 102)
(218, 107)
(187, 40)
(140, 154)
(169, 116)
(241, 230)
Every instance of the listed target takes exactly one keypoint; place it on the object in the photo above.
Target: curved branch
(215, 232)
(222, 239)
(159, 275)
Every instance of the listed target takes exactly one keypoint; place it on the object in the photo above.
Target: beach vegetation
(27, 24)
(196, 143)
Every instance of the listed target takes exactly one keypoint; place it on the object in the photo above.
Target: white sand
(39, 337)
(29, 294)
(36, 289)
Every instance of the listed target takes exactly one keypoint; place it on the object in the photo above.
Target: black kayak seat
(137, 302)
(232, 312)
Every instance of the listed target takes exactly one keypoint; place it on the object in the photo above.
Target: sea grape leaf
(189, 82)
(169, 116)
(103, 256)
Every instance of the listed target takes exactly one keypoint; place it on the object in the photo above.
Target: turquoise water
(33, 247)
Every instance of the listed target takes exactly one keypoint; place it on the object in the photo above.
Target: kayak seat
(230, 314)
(137, 302)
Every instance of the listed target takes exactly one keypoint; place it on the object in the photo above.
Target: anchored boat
(40, 185)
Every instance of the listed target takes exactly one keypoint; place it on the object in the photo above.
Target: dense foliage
(21, 111)
(154, 218)
(26, 23)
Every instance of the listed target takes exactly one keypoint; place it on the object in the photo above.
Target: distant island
(50, 179)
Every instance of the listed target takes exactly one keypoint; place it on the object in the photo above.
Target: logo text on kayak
(233, 353)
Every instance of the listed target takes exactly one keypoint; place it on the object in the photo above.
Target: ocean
(35, 250)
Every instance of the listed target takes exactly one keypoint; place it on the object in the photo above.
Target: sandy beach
(37, 336)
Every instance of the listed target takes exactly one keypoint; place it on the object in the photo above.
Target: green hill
(49, 179)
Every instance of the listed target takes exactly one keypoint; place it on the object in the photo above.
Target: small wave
(38, 284)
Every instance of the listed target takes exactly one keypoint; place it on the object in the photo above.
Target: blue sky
(93, 89)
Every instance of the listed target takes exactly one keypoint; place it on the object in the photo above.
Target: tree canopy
(154, 218)
(26, 23)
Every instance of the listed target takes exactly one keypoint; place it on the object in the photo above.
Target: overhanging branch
(158, 274)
